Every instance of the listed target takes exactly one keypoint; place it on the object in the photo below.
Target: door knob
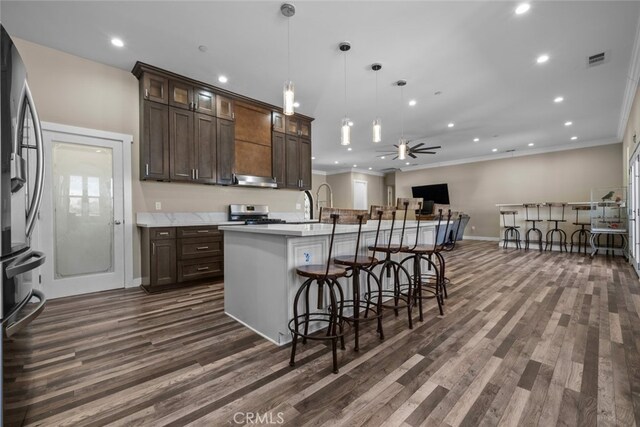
(116, 222)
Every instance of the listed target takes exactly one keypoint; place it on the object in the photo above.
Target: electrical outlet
(158, 206)
(473, 228)
(298, 206)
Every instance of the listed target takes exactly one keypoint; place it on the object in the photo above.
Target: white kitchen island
(260, 280)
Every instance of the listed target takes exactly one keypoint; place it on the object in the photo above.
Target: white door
(360, 195)
(82, 214)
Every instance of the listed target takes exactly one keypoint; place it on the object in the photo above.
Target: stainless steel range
(252, 215)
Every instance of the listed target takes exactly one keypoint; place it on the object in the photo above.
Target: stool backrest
(451, 243)
(345, 216)
(441, 216)
(531, 205)
(381, 213)
(556, 205)
(404, 204)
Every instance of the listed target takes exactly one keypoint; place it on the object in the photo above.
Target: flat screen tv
(436, 193)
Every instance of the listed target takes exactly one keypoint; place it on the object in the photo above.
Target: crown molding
(532, 152)
(633, 76)
(353, 170)
(315, 172)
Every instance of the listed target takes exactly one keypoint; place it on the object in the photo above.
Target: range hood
(255, 181)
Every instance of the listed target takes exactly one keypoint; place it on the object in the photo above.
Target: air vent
(597, 59)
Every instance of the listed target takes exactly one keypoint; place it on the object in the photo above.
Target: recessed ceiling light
(370, 168)
(382, 157)
(412, 102)
(350, 123)
(573, 138)
(336, 162)
(476, 139)
(355, 166)
(313, 158)
(494, 150)
(558, 99)
(531, 144)
(223, 79)
(117, 42)
(542, 59)
(349, 149)
(522, 8)
(296, 104)
(408, 163)
(568, 123)
(450, 125)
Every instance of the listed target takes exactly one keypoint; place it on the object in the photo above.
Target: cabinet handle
(203, 231)
(195, 106)
(146, 93)
(181, 174)
(163, 233)
(153, 248)
(202, 248)
(203, 268)
(146, 169)
(233, 116)
(197, 174)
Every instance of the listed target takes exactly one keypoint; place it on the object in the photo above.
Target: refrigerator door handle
(34, 206)
(25, 263)
(11, 328)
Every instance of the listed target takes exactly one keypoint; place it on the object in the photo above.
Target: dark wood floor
(526, 339)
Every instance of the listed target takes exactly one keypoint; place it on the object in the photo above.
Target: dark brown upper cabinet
(277, 122)
(225, 108)
(305, 164)
(154, 143)
(155, 88)
(298, 126)
(292, 162)
(279, 158)
(186, 96)
(193, 145)
(252, 140)
(226, 152)
(206, 148)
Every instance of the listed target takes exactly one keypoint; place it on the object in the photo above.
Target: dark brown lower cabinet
(178, 256)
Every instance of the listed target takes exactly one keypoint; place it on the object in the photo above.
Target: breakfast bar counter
(260, 262)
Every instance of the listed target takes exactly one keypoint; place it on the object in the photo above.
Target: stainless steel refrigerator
(21, 183)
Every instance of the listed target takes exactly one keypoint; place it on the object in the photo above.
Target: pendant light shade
(402, 149)
(377, 123)
(345, 132)
(345, 129)
(288, 93)
(377, 130)
(288, 98)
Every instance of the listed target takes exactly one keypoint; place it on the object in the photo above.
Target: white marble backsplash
(177, 219)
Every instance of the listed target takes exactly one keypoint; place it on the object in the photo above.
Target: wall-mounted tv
(436, 193)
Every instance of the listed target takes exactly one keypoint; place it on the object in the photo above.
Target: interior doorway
(360, 200)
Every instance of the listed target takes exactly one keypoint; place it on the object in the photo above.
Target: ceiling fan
(410, 151)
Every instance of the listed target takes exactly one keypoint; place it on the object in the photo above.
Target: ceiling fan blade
(395, 145)
(417, 146)
(435, 147)
(412, 155)
(428, 152)
(395, 158)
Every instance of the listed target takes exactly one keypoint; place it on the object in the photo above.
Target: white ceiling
(480, 55)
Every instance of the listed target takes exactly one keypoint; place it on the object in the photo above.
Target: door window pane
(83, 209)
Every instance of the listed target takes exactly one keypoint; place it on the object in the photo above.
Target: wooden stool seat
(390, 248)
(318, 270)
(360, 261)
(421, 249)
(556, 220)
(582, 223)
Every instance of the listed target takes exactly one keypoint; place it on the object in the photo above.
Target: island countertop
(306, 230)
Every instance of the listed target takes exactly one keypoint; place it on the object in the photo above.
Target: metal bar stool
(562, 236)
(582, 232)
(433, 284)
(397, 298)
(536, 231)
(356, 265)
(321, 275)
(511, 232)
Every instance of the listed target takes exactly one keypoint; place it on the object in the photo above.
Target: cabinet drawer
(163, 233)
(199, 231)
(200, 269)
(198, 247)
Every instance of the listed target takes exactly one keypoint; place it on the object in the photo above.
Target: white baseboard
(134, 283)
(490, 239)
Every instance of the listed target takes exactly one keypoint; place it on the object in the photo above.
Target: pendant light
(377, 123)
(402, 144)
(288, 93)
(345, 130)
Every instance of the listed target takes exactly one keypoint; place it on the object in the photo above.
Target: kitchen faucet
(324, 201)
